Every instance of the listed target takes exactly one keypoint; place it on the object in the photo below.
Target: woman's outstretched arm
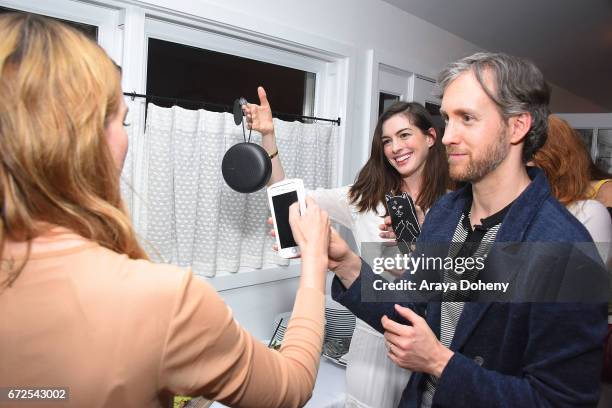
(259, 118)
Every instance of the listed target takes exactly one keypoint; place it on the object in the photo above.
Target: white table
(329, 390)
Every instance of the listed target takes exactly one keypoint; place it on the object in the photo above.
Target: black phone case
(404, 220)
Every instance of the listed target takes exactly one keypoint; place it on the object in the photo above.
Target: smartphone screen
(281, 205)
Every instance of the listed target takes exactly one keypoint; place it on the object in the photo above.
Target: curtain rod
(222, 106)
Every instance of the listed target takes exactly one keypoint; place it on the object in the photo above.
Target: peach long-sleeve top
(129, 333)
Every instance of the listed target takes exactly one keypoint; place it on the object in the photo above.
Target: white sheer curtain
(180, 204)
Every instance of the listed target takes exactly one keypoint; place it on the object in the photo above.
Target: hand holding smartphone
(280, 196)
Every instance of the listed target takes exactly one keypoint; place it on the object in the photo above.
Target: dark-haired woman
(407, 155)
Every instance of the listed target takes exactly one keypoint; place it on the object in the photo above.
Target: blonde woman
(81, 306)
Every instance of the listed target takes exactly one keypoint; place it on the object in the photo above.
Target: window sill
(252, 277)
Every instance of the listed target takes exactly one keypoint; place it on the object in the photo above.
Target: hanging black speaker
(246, 166)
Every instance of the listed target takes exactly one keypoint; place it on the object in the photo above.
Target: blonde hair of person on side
(59, 93)
(82, 308)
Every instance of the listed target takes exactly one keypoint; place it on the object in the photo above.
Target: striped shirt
(466, 242)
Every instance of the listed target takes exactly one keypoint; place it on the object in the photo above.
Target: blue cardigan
(509, 353)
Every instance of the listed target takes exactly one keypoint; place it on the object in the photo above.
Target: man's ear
(519, 126)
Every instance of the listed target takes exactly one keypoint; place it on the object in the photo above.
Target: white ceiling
(570, 40)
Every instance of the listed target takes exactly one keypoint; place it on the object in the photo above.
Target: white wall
(588, 120)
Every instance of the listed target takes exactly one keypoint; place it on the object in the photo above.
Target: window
(89, 30)
(189, 73)
(604, 150)
(385, 100)
(187, 62)
(587, 137)
(99, 22)
(298, 81)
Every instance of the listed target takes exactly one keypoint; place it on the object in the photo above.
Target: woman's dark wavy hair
(378, 177)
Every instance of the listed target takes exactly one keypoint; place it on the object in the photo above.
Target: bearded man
(538, 344)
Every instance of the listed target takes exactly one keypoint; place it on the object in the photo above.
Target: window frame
(331, 73)
(106, 18)
(333, 97)
(204, 39)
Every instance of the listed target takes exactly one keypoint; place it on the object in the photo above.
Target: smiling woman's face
(405, 146)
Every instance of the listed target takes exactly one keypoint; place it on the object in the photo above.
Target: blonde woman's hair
(58, 90)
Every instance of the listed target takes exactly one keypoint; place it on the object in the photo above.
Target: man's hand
(339, 256)
(342, 260)
(415, 347)
(259, 117)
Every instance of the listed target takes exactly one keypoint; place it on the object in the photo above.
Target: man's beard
(476, 169)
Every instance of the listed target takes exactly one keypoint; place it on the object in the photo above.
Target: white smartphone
(281, 195)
